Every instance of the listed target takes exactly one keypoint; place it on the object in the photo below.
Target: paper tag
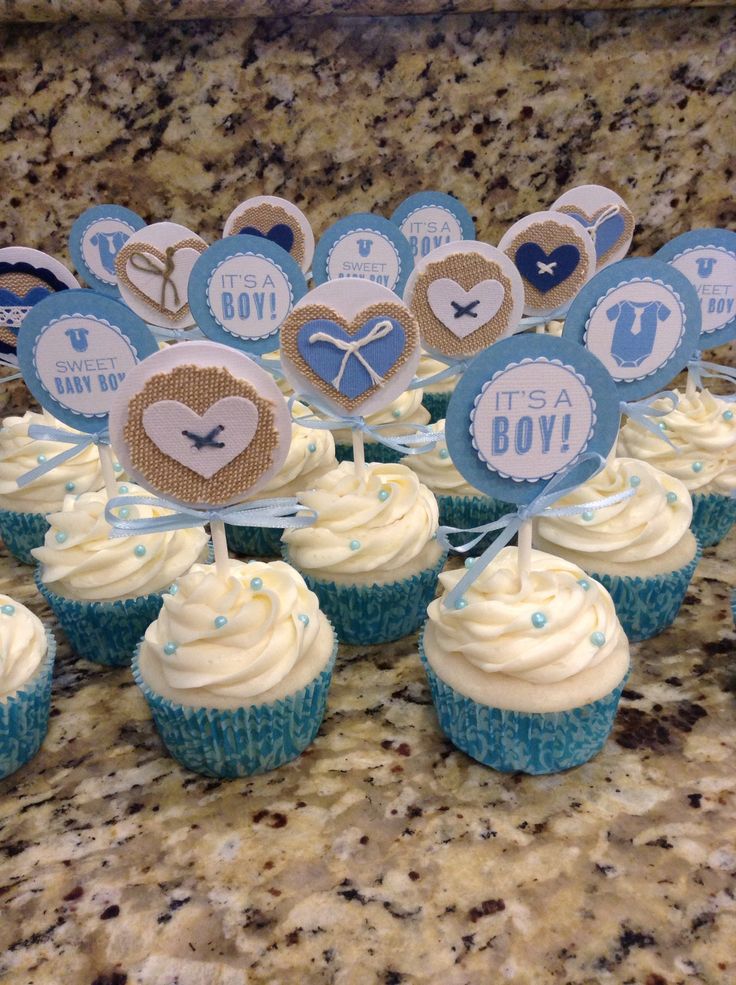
(365, 246)
(96, 239)
(429, 220)
(350, 346)
(465, 296)
(555, 257)
(641, 318)
(26, 277)
(605, 215)
(241, 290)
(277, 220)
(200, 424)
(525, 410)
(75, 349)
(707, 257)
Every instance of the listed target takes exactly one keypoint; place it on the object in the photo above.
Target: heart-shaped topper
(277, 220)
(26, 277)
(200, 424)
(604, 215)
(350, 346)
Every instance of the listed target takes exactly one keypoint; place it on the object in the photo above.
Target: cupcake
(460, 504)
(702, 429)
(23, 509)
(371, 556)
(526, 678)
(27, 653)
(236, 668)
(436, 396)
(641, 549)
(106, 591)
(311, 454)
(403, 414)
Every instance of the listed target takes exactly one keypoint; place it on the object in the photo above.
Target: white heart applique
(464, 312)
(160, 278)
(207, 443)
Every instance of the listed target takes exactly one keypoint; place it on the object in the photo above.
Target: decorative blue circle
(423, 243)
(127, 223)
(368, 223)
(214, 324)
(617, 275)
(497, 359)
(122, 323)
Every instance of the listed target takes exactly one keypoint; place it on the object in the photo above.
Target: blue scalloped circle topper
(241, 289)
(94, 242)
(431, 219)
(366, 246)
(527, 409)
(707, 257)
(641, 318)
(75, 349)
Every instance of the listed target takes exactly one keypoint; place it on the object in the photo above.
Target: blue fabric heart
(545, 271)
(9, 299)
(343, 364)
(607, 234)
(280, 234)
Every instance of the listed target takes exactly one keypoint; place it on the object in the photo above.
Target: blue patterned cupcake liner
(713, 517)
(471, 511)
(103, 632)
(22, 532)
(254, 541)
(240, 741)
(436, 404)
(24, 716)
(647, 606)
(518, 741)
(368, 614)
(374, 452)
(733, 606)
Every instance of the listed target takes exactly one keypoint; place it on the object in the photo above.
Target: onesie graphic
(636, 324)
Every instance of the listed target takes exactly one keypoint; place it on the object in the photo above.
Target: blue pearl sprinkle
(539, 620)
(396, 413)
(671, 497)
(728, 415)
(697, 466)
(444, 453)
(662, 426)
(173, 589)
(597, 639)
(461, 603)
(170, 648)
(384, 494)
(584, 584)
(256, 584)
(634, 481)
(469, 562)
(220, 621)
(8, 610)
(118, 467)
(311, 446)
(70, 487)
(139, 550)
(40, 459)
(123, 489)
(354, 545)
(303, 618)
(61, 537)
(588, 515)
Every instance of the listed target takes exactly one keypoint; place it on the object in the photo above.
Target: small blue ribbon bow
(511, 523)
(642, 411)
(77, 442)
(699, 369)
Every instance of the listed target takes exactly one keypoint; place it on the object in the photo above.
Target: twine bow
(642, 411)
(147, 265)
(352, 347)
(78, 443)
(606, 214)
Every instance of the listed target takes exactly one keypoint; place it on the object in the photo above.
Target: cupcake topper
(75, 349)
(428, 220)
(532, 418)
(365, 246)
(605, 216)
(204, 427)
(95, 240)
(276, 220)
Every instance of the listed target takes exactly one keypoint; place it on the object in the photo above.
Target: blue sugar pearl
(671, 497)
(461, 603)
(539, 620)
(469, 562)
(396, 413)
(123, 512)
(597, 639)
(311, 446)
(70, 487)
(303, 618)
(662, 426)
(170, 648)
(220, 621)
(697, 466)
(354, 545)
(139, 550)
(256, 584)
(40, 459)
(173, 589)
(118, 467)
(584, 584)
(384, 494)
(61, 537)
(588, 515)
(634, 481)
(123, 489)
(444, 453)
(728, 415)
(8, 610)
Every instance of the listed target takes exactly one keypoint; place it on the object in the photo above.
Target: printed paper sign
(605, 216)
(95, 240)
(276, 220)
(364, 246)
(429, 220)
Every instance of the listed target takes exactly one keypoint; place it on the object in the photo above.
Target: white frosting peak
(23, 645)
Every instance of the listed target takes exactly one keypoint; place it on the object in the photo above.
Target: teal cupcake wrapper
(374, 452)
(24, 716)
(733, 606)
(21, 532)
(713, 517)
(242, 741)
(369, 614)
(436, 404)
(254, 541)
(517, 741)
(103, 632)
(647, 606)
(471, 511)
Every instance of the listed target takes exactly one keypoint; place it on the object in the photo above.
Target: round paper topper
(241, 289)
(277, 220)
(641, 318)
(95, 240)
(428, 220)
(365, 246)
(465, 296)
(555, 257)
(153, 270)
(525, 410)
(606, 217)
(707, 257)
(26, 277)
(200, 424)
(75, 349)
(350, 346)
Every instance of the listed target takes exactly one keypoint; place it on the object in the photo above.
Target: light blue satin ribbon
(78, 443)
(532, 321)
(453, 367)
(700, 369)
(176, 334)
(642, 412)
(283, 512)
(511, 523)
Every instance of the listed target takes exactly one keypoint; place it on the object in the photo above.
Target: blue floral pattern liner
(374, 452)
(254, 541)
(103, 632)
(24, 716)
(436, 404)
(471, 511)
(368, 614)
(713, 517)
(22, 532)
(241, 741)
(517, 741)
(647, 606)
(733, 606)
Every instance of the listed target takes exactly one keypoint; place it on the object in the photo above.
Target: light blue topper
(431, 219)
(365, 246)
(95, 240)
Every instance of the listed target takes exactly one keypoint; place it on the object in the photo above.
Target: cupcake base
(254, 541)
(22, 532)
(243, 741)
(24, 716)
(436, 404)
(713, 517)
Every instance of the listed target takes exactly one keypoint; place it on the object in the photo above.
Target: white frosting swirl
(387, 513)
(19, 454)
(311, 454)
(402, 414)
(429, 366)
(23, 645)
(704, 453)
(81, 561)
(437, 471)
